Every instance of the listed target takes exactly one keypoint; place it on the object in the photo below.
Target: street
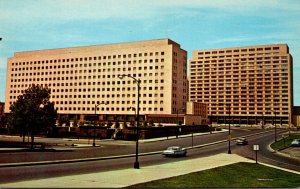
(10, 174)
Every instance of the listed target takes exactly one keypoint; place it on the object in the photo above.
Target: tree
(32, 113)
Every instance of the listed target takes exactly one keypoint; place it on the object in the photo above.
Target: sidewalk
(127, 177)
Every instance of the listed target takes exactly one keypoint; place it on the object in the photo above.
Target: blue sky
(195, 24)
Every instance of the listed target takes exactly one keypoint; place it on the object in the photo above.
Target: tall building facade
(84, 78)
(244, 85)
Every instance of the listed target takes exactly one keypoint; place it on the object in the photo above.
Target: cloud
(275, 37)
(232, 39)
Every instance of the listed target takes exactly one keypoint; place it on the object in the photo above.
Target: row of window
(221, 90)
(207, 99)
(256, 99)
(235, 65)
(106, 109)
(244, 57)
(236, 82)
(267, 76)
(249, 112)
(106, 57)
(241, 73)
(149, 102)
(92, 69)
(109, 93)
(276, 48)
(78, 83)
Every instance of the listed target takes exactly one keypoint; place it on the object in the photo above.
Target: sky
(27, 25)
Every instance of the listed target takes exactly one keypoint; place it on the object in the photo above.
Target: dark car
(241, 141)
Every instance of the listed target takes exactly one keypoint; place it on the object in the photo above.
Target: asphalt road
(11, 174)
(267, 155)
(109, 148)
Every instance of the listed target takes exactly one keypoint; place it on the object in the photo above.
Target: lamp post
(138, 82)
(133, 108)
(229, 132)
(263, 122)
(210, 120)
(94, 139)
(275, 128)
(290, 120)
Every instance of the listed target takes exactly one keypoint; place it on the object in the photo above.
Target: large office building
(244, 85)
(84, 78)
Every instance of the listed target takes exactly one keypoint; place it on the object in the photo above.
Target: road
(110, 148)
(11, 174)
(267, 156)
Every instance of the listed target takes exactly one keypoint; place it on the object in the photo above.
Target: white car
(173, 151)
(295, 143)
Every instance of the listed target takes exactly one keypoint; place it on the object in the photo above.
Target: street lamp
(133, 109)
(275, 129)
(263, 121)
(210, 120)
(229, 132)
(138, 82)
(96, 105)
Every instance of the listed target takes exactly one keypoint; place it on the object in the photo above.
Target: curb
(179, 136)
(280, 153)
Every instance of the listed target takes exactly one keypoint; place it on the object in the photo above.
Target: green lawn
(284, 142)
(249, 175)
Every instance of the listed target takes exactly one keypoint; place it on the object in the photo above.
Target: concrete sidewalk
(127, 177)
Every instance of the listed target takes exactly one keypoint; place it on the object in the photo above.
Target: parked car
(241, 141)
(295, 143)
(174, 151)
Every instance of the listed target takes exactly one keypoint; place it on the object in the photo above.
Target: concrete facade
(197, 109)
(82, 77)
(244, 85)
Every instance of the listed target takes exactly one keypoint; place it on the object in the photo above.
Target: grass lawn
(237, 175)
(284, 142)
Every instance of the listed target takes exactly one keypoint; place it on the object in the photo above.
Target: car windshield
(173, 148)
